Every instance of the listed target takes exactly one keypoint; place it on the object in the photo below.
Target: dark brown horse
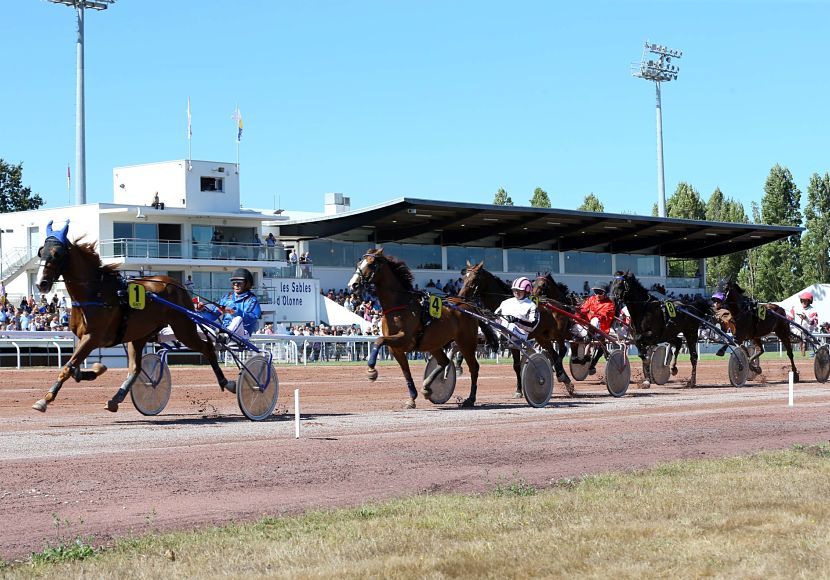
(491, 291)
(101, 318)
(654, 321)
(403, 326)
(753, 321)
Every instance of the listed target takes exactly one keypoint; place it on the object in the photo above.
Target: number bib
(762, 312)
(136, 295)
(670, 309)
(435, 306)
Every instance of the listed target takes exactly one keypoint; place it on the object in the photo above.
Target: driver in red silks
(599, 310)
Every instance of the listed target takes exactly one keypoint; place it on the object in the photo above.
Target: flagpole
(189, 138)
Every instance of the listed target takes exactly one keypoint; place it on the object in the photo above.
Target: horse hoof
(569, 388)
(645, 385)
(674, 372)
(468, 403)
(230, 386)
(99, 369)
(111, 406)
(40, 406)
(516, 395)
(410, 404)
(372, 374)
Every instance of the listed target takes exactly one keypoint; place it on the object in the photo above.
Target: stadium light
(659, 69)
(80, 121)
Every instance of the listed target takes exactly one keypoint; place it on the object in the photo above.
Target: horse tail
(489, 336)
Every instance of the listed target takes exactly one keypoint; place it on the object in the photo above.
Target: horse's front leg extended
(134, 350)
(400, 356)
(72, 369)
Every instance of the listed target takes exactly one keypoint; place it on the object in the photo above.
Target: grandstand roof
(421, 221)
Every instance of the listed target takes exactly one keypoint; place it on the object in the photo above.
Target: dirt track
(201, 462)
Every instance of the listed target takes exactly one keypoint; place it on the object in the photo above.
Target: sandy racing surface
(201, 462)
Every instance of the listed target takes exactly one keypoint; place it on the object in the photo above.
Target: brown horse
(753, 321)
(100, 318)
(403, 322)
(481, 285)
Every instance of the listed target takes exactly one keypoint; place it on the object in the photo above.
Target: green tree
(815, 244)
(685, 202)
(591, 203)
(540, 198)
(779, 265)
(13, 196)
(720, 209)
(748, 276)
(502, 198)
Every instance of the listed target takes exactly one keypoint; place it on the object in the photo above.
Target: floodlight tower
(660, 70)
(80, 121)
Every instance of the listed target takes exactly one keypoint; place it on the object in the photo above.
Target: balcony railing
(176, 250)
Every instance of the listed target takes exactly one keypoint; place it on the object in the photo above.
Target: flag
(68, 178)
(189, 127)
(237, 116)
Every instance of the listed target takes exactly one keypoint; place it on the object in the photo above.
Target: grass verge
(760, 516)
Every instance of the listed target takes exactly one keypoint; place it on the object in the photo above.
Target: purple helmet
(718, 296)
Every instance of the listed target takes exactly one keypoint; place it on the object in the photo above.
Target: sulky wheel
(151, 390)
(257, 388)
(537, 380)
(738, 367)
(821, 364)
(443, 385)
(659, 363)
(617, 373)
(579, 372)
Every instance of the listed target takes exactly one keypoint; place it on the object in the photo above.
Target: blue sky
(433, 99)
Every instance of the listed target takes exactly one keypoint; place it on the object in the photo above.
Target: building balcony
(140, 250)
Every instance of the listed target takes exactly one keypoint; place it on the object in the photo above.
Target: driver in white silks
(518, 313)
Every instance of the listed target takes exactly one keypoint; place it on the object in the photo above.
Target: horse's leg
(641, 350)
(754, 361)
(134, 351)
(677, 344)
(400, 356)
(786, 340)
(72, 369)
(372, 360)
(692, 344)
(517, 368)
(441, 357)
(468, 351)
(598, 352)
(186, 332)
(556, 360)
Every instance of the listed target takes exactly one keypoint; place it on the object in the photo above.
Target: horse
(479, 284)
(752, 322)
(654, 321)
(406, 329)
(101, 318)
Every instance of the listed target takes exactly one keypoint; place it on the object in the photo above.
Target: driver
(599, 309)
(723, 317)
(239, 310)
(806, 315)
(518, 313)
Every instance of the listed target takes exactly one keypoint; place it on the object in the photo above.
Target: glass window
(122, 230)
(638, 264)
(336, 253)
(532, 261)
(587, 263)
(416, 256)
(212, 183)
(457, 257)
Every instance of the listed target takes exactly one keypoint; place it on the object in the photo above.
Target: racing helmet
(718, 296)
(523, 284)
(806, 296)
(245, 275)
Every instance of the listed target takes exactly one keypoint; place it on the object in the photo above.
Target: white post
(296, 413)
(791, 388)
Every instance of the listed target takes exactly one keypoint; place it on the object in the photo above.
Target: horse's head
(54, 257)
(540, 286)
(620, 286)
(366, 269)
(732, 292)
(471, 281)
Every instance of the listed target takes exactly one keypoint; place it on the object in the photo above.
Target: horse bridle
(366, 279)
(59, 257)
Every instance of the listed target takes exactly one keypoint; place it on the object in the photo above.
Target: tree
(540, 198)
(815, 244)
(720, 209)
(748, 276)
(685, 202)
(13, 196)
(591, 203)
(779, 264)
(502, 198)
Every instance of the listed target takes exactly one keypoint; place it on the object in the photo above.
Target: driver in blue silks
(239, 310)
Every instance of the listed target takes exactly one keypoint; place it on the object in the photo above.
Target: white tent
(821, 301)
(335, 315)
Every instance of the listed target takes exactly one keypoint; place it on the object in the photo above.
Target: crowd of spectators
(34, 315)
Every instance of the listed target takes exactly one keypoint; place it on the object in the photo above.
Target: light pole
(660, 70)
(80, 122)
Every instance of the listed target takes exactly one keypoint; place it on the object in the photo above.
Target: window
(587, 263)
(212, 183)
(457, 257)
(639, 265)
(336, 253)
(416, 256)
(532, 261)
